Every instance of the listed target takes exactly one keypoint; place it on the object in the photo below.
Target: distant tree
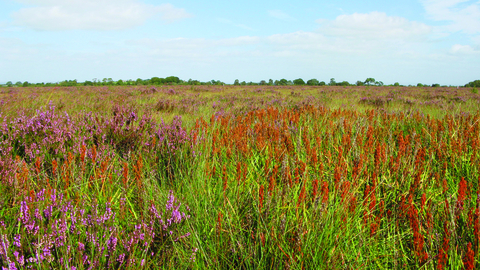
(396, 84)
(419, 85)
(283, 82)
(369, 81)
(313, 82)
(359, 83)
(332, 82)
(379, 83)
(18, 84)
(120, 82)
(172, 80)
(243, 83)
(270, 82)
(322, 83)
(344, 83)
(25, 84)
(435, 85)
(276, 82)
(157, 80)
(475, 83)
(88, 83)
(263, 82)
(139, 81)
(299, 81)
(9, 84)
(236, 82)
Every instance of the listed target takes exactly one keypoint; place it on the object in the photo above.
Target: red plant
(225, 179)
(261, 197)
(54, 167)
(469, 260)
(301, 196)
(424, 198)
(325, 191)
(462, 188)
(314, 189)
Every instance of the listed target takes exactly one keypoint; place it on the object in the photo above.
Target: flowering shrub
(54, 232)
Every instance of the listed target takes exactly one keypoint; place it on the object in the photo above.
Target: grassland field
(239, 177)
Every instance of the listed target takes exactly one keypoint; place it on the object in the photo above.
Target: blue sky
(427, 41)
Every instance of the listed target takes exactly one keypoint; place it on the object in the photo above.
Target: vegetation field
(239, 177)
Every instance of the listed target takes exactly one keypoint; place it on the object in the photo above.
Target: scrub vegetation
(240, 177)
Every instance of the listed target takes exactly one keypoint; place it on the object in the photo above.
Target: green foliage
(236, 82)
(344, 83)
(281, 82)
(313, 82)
(370, 81)
(435, 85)
(475, 83)
(332, 82)
(474, 90)
(299, 81)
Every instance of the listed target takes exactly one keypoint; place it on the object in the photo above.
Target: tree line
(173, 80)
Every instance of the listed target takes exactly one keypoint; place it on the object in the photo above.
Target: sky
(410, 42)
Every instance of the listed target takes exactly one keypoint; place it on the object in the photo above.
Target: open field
(242, 177)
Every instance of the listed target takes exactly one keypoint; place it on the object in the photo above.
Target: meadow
(239, 177)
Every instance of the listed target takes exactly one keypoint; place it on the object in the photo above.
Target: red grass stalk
(443, 252)
(445, 186)
(37, 166)
(345, 190)
(476, 226)
(219, 222)
(325, 192)
(225, 180)
(94, 153)
(424, 198)
(83, 150)
(54, 167)
(138, 171)
(261, 197)
(314, 189)
(301, 196)
(469, 260)
(462, 188)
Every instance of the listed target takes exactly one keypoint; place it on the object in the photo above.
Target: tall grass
(253, 181)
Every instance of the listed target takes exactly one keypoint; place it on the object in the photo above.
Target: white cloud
(92, 14)
(463, 15)
(278, 14)
(463, 49)
(374, 25)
